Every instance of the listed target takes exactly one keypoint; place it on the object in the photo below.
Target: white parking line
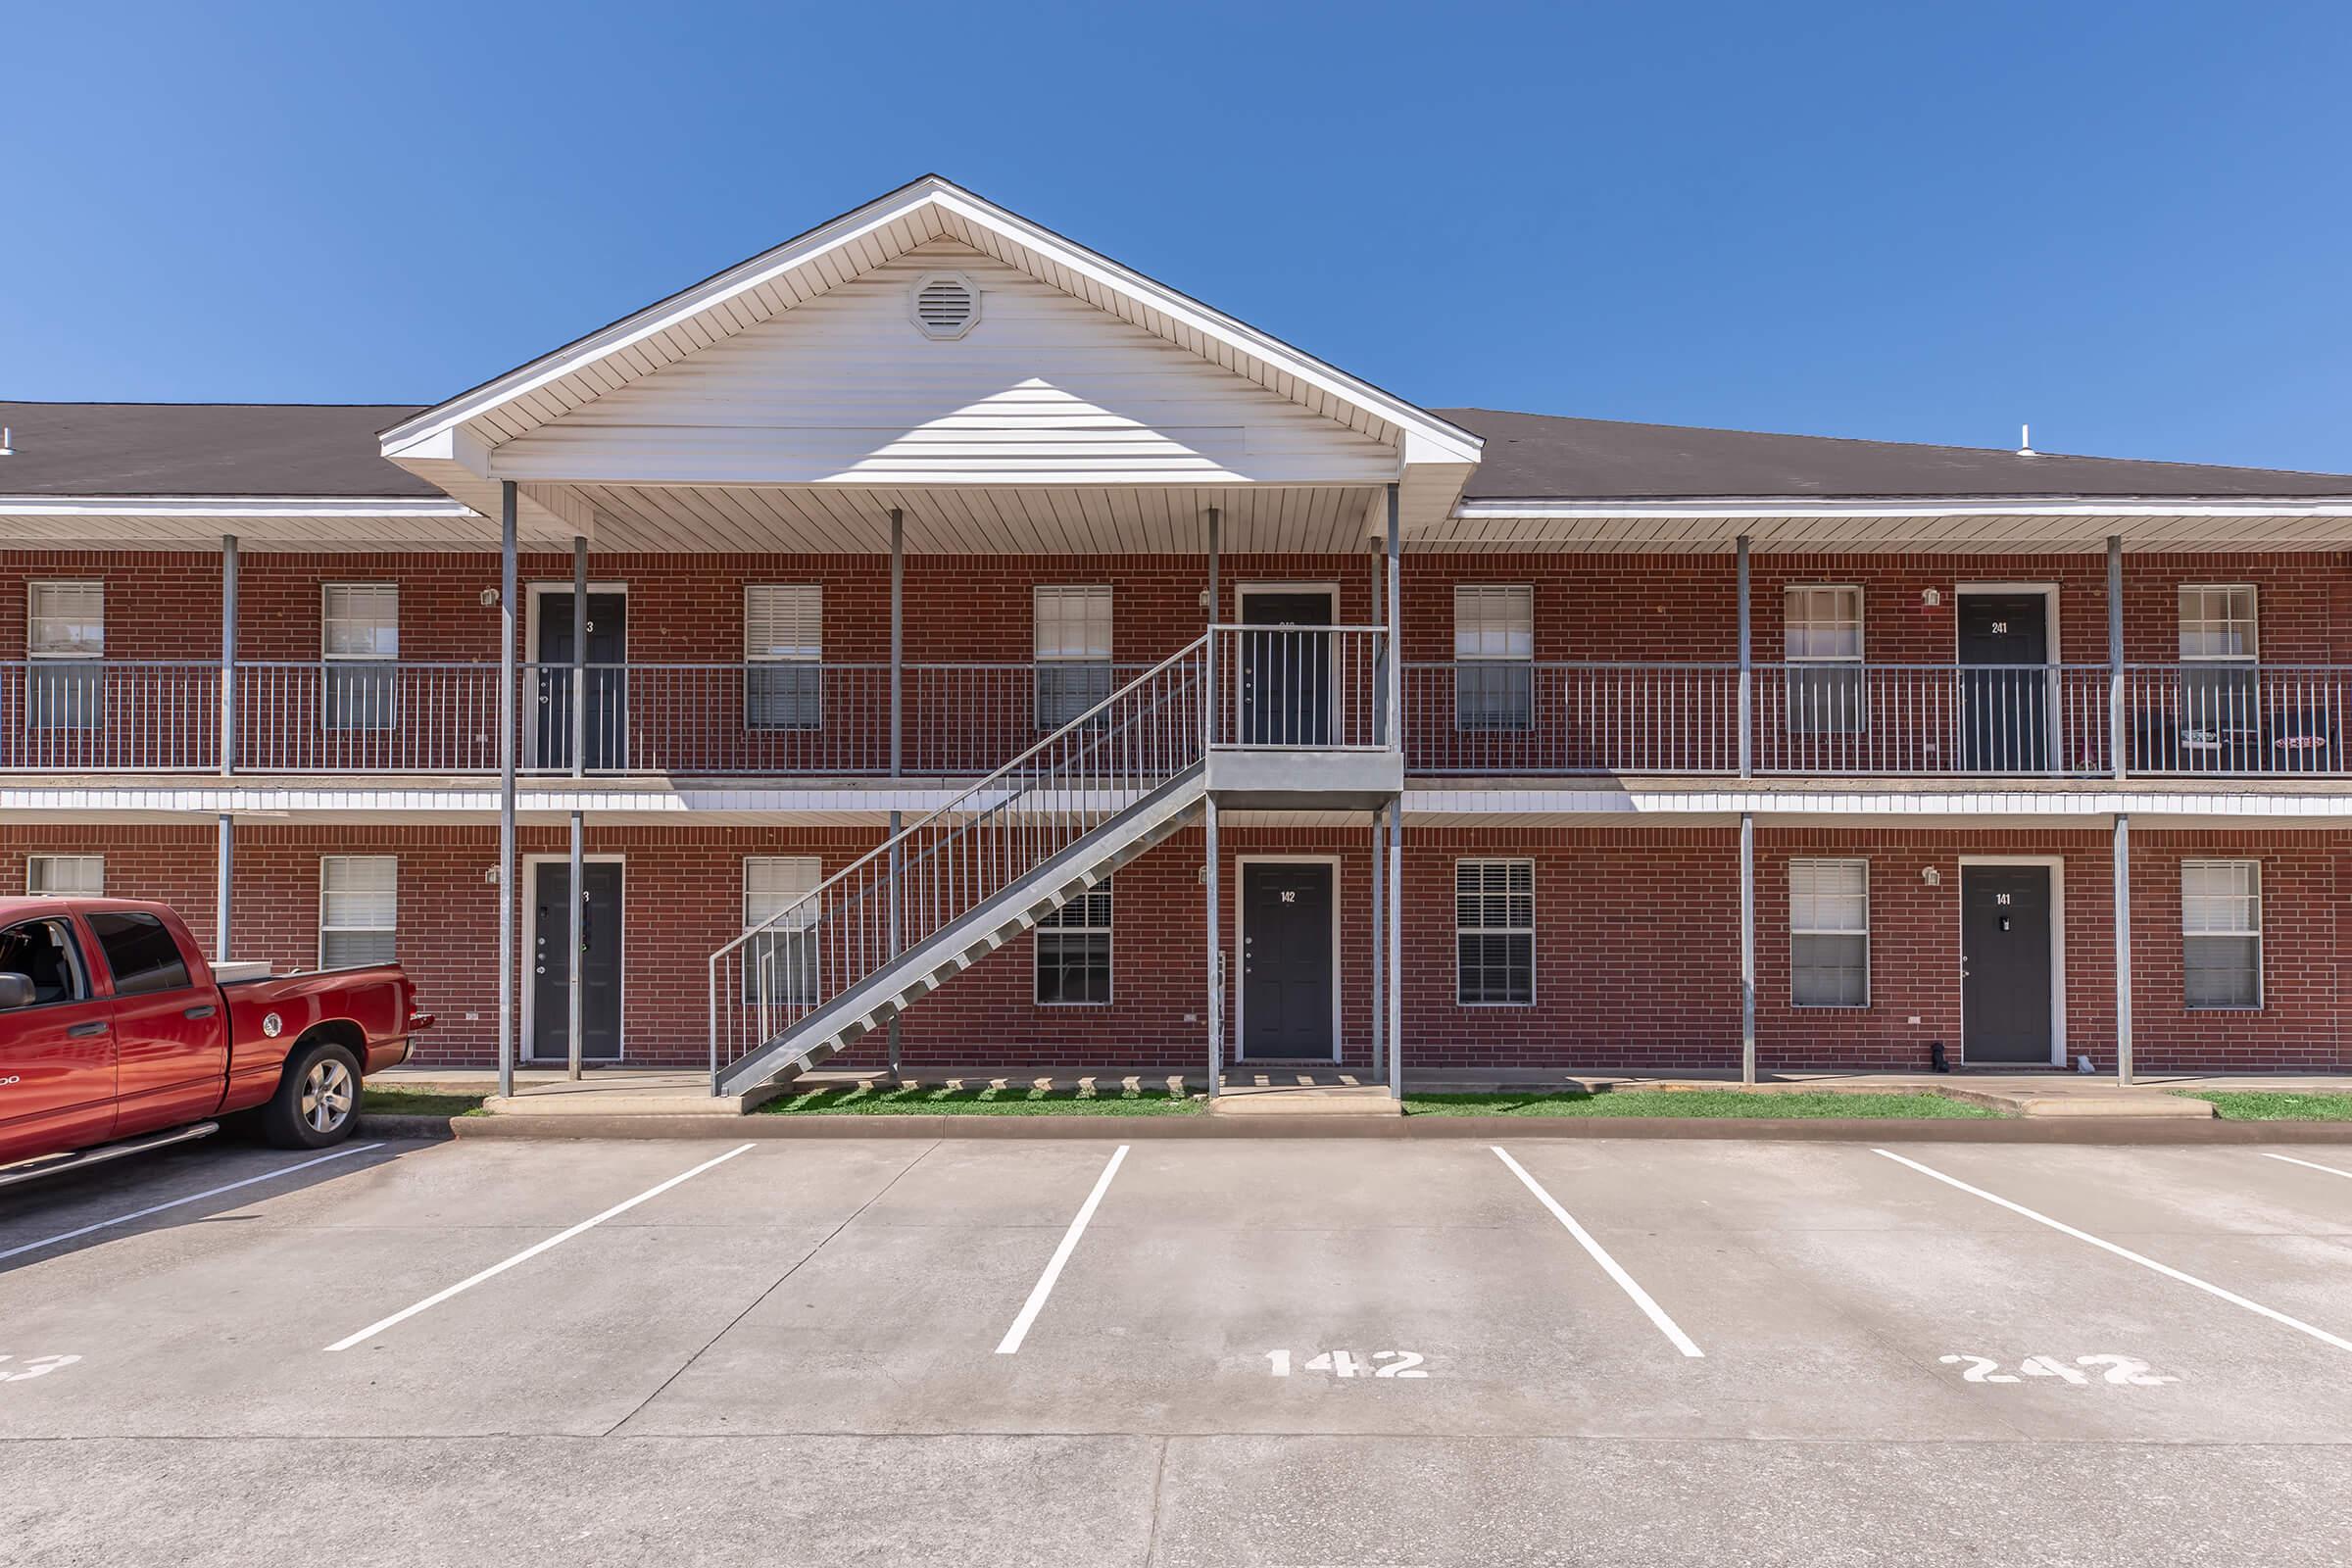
(529, 1253)
(2164, 1269)
(192, 1197)
(1624, 1282)
(2266, 1153)
(1061, 1254)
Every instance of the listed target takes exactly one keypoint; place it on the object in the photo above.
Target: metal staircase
(961, 881)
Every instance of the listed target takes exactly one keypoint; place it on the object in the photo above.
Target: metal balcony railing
(1289, 687)
(1276, 686)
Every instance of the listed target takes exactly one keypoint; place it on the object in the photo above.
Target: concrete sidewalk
(1250, 1093)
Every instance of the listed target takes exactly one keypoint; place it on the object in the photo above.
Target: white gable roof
(463, 430)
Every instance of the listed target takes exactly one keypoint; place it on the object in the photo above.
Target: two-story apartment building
(932, 637)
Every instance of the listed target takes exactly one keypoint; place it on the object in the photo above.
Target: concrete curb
(1485, 1129)
(386, 1124)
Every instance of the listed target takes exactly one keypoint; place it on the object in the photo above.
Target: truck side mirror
(16, 991)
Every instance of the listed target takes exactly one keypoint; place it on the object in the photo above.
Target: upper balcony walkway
(1284, 690)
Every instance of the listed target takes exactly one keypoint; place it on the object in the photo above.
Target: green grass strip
(1777, 1106)
(2272, 1104)
(1016, 1100)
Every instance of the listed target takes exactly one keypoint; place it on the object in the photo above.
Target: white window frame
(1803, 714)
(2180, 622)
(33, 617)
(1797, 930)
(325, 929)
(809, 616)
(811, 868)
(1053, 923)
(390, 715)
(2249, 901)
(32, 879)
(1529, 930)
(1517, 650)
(1043, 658)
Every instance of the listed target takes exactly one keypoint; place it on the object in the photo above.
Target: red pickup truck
(116, 1035)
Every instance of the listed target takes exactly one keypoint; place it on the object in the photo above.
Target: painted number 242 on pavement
(1347, 1364)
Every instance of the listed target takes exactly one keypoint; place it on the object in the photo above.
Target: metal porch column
(2117, 740)
(1747, 673)
(225, 851)
(1379, 864)
(574, 1001)
(1395, 704)
(505, 787)
(1209, 823)
(898, 719)
(1747, 947)
(2122, 948)
(228, 653)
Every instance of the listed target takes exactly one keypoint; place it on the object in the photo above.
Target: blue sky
(2128, 224)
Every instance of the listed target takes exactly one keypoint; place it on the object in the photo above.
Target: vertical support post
(2117, 740)
(1380, 670)
(1393, 689)
(228, 653)
(897, 754)
(1747, 947)
(505, 786)
(575, 1007)
(1380, 1020)
(224, 876)
(1208, 706)
(1395, 914)
(2122, 948)
(1217, 953)
(1747, 673)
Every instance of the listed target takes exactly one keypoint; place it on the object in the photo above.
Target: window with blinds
(783, 652)
(1821, 638)
(359, 635)
(1494, 932)
(2220, 685)
(1072, 651)
(65, 638)
(1829, 933)
(1073, 950)
(2221, 929)
(358, 910)
(780, 965)
(64, 876)
(1493, 655)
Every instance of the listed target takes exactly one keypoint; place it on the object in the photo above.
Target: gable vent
(946, 305)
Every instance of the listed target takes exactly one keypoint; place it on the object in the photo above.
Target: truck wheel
(317, 1099)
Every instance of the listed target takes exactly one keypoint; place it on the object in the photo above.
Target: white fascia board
(1782, 506)
(233, 506)
(1444, 437)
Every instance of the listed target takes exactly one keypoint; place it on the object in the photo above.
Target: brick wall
(1636, 942)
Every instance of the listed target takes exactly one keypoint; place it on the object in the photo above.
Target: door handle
(205, 1011)
(83, 1030)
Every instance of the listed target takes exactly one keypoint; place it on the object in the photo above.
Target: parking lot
(1243, 1351)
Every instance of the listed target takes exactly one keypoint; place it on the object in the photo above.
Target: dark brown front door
(2006, 976)
(1285, 961)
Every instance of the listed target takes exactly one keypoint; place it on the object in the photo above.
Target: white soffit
(460, 432)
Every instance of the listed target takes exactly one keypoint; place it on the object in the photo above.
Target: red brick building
(1671, 744)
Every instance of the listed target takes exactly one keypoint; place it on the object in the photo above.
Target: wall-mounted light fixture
(1930, 598)
(489, 599)
(1930, 876)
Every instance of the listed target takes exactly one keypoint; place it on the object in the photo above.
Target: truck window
(139, 951)
(42, 951)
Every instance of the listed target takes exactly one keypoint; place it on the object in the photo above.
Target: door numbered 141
(1348, 1365)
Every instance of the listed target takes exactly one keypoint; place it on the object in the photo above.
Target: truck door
(57, 1050)
(170, 1038)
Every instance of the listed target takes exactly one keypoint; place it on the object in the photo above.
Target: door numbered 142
(1348, 1365)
